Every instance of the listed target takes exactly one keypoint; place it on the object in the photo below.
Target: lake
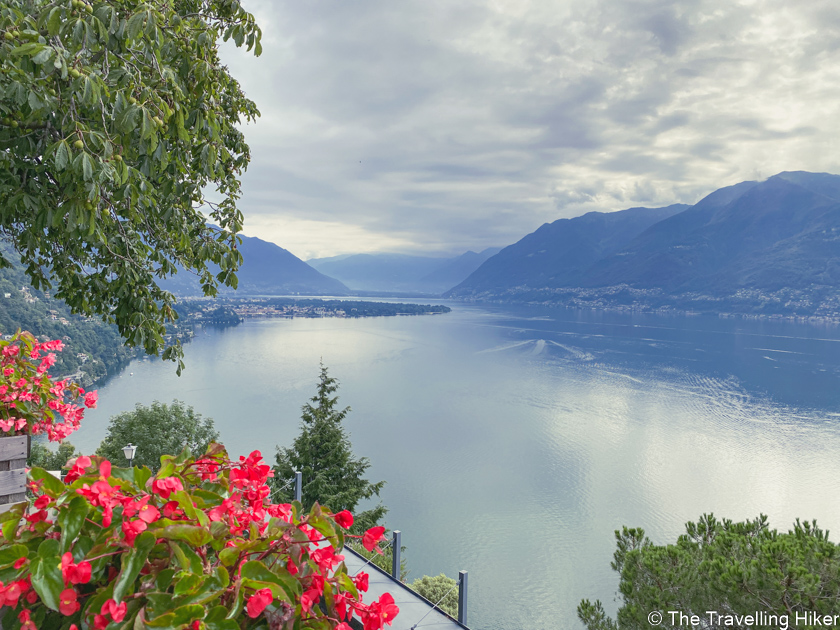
(515, 441)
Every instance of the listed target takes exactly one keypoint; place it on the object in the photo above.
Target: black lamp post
(129, 451)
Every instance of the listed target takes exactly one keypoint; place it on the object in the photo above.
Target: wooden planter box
(13, 454)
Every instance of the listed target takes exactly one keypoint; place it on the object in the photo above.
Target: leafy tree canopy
(725, 567)
(115, 117)
(322, 452)
(157, 430)
(44, 457)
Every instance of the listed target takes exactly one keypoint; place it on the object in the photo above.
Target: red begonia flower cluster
(32, 403)
(198, 546)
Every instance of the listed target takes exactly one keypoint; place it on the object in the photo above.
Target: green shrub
(440, 589)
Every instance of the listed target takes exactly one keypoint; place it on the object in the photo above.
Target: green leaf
(188, 583)
(257, 571)
(223, 576)
(88, 96)
(178, 618)
(52, 484)
(147, 125)
(228, 556)
(47, 579)
(135, 24)
(187, 558)
(71, 518)
(132, 562)
(141, 475)
(34, 101)
(44, 56)
(27, 49)
(194, 535)
(54, 21)
(164, 579)
(238, 604)
(87, 167)
(323, 525)
(127, 119)
(9, 555)
(215, 620)
(9, 528)
(62, 155)
(48, 549)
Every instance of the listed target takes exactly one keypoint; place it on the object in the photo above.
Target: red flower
(141, 508)
(9, 595)
(344, 518)
(74, 573)
(42, 502)
(78, 469)
(25, 622)
(166, 486)
(173, 511)
(325, 558)
(90, 400)
(316, 583)
(258, 602)
(20, 562)
(309, 599)
(361, 581)
(67, 604)
(340, 603)
(114, 610)
(372, 537)
(380, 613)
(132, 529)
(37, 517)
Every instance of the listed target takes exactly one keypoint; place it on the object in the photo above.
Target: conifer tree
(721, 571)
(322, 452)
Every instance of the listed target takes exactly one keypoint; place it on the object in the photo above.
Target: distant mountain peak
(769, 246)
(266, 268)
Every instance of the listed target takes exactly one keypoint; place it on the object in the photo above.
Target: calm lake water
(515, 441)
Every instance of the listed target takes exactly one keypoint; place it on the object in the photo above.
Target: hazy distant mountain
(770, 247)
(558, 253)
(401, 272)
(266, 268)
(458, 269)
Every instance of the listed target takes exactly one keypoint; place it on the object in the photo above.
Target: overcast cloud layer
(439, 126)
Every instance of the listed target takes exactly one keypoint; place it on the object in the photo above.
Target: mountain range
(770, 247)
(266, 269)
(383, 272)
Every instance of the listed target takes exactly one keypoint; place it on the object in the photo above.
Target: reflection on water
(514, 442)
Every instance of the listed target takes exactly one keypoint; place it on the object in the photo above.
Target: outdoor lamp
(129, 451)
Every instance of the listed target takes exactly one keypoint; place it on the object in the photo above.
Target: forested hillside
(92, 349)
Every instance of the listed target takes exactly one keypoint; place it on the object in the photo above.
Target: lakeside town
(230, 312)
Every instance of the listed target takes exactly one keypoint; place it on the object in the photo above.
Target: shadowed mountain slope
(770, 247)
(266, 268)
(559, 252)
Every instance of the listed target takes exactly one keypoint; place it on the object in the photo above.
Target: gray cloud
(438, 126)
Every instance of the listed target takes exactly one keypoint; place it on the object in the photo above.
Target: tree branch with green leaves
(116, 119)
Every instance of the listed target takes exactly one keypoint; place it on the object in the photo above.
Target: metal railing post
(395, 564)
(462, 597)
(298, 485)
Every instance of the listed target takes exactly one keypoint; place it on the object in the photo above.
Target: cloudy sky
(438, 126)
